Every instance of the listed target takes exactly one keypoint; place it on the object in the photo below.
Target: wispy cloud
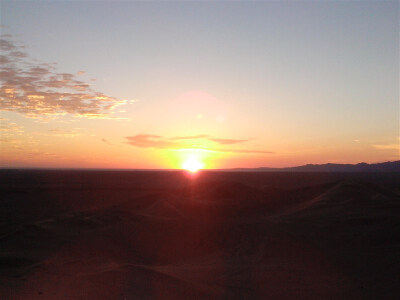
(208, 137)
(10, 127)
(226, 141)
(180, 142)
(36, 90)
(190, 137)
(63, 133)
(244, 151)
(394, 146)
(105, 141)
(150, 141)
(10, 133)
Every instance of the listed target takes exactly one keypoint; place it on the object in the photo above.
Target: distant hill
(390, 166)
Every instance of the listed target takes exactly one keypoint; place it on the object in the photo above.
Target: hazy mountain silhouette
(390, 166)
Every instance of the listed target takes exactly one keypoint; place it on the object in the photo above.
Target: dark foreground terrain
(215, 235)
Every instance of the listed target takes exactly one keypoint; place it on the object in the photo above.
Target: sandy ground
(169, 235)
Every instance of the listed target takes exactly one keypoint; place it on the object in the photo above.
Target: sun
(192, 165)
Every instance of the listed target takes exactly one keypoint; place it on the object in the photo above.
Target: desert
(212, 235)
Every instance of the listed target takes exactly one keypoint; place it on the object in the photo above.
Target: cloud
(6, 45)
(178, 143)
(63, 133)
(227, 141)
(107, 142)
(244, 151)
(191, 137)
(10, 127)
(10, 133)
(208, 137)
(36, 90)
(150, 141)
(388, 147)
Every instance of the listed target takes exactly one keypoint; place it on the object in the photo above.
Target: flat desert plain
(209, 235)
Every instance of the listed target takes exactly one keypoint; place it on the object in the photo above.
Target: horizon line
(180, 169)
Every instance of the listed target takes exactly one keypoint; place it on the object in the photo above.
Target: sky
(153, 85)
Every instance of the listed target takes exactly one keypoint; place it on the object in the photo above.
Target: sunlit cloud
(227, 141)
(210, 138)
(150, 141)
(63, 133)
(244, 151)
(394, 146)
(191, 137)
(10, 133)
(179, 143)
(36, 90)
(10, 127)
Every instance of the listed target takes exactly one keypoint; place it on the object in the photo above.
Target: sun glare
(192, 165)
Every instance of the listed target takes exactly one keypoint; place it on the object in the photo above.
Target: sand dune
(209, 238)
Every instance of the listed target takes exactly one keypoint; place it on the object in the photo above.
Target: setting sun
(192, 165)
(189, 134)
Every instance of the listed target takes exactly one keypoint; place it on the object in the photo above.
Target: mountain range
(390, 166)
